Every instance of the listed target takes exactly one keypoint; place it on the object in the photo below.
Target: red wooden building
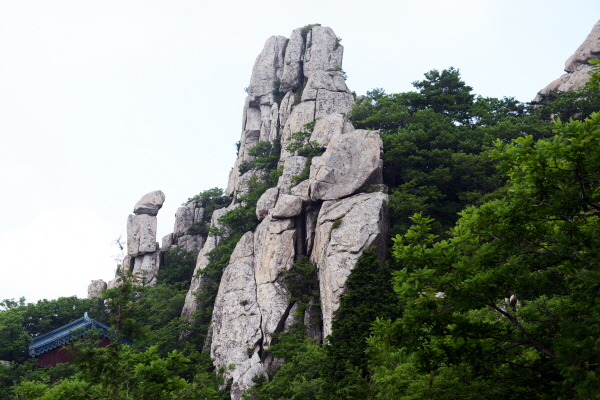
(49, 347)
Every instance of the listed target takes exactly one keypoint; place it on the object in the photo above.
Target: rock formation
(143, 255)
(577, 67)
(331, 217)
(96, 288)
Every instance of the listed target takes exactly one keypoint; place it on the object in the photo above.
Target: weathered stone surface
(285, 108)
(287, 206)
(311, 224)
(274, 123)
(266, 202)
(577, 66)
(116, 281)
(312, 321)
(352, 161)
(141, 233)
(328, 127)
(191, 243)
(292, 62)
(292, 167)
(364, 224)
(198, 214)
(236, 316)
(184, 218)
(147, 267)
(302, 114)
(267, 68)
(150, 203)
(167, 242)
(190, 304)
(323, 51)
(332, 102)
(274, 251)
(96, 288)
(332, 81)
(5, 363)
(243, 374)
(302, 190)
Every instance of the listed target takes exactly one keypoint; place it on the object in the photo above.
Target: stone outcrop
(344, 229)
(96, 288)
(577, 67)
(331, 217)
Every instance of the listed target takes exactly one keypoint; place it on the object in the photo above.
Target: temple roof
(63, 335)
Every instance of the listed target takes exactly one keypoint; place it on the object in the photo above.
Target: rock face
(577, 67)
(96, 288)
(330, 218)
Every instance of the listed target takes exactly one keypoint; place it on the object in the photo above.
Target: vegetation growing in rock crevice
(265, 156)
(301, 144)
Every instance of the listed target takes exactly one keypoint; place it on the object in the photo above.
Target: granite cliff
(328, 218)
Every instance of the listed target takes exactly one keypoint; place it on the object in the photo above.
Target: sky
(104, 101)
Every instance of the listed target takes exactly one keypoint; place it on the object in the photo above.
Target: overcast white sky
(104, 101)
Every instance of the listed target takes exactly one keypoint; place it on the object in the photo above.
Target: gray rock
(364, 224)
(242, 375)
(577, 66)
(332, 102)
(274, 251)
(191, 243)
(5, 363)
(198, 214)
(146, 267)
(328, 127)
(266, 203)
(352, 161)
(285, 109)
(236, 315)
(274, 123)
(116, 281)
(287, 206)
(267, 68)
(243, 187)
(96, 288)
(190, 305)
(150, 203)
(302, 190)
(292, 63)
(141, 233)
(323, 51)
(332, 81)
(167, 242)
(302, 114)
(312, 321)
(292, 167)
(184, 218)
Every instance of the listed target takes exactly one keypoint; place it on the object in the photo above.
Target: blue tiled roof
(63, 335)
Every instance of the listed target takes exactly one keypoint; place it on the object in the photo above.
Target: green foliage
(301, 144)
(594, 82)
(178, 268)
(578, 103)
(300, 377)
(306, 29)
(211, 200)
(436, 144)
(514, 289)
(266, 156)
(277, 94)
(368, 296)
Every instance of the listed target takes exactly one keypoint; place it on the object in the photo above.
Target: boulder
(329, 102)
(96, 288)
(343, 230)
(141, 233)
(167, 242)
(352, 161)
(332, 81)
(150, 203)
(292, 77)
(328, 127)
(184, 218)
(292, 166)
(191, 243)
(302, 190)
(266, 203)
(323, 51)
(287, 206)
(285, 109)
